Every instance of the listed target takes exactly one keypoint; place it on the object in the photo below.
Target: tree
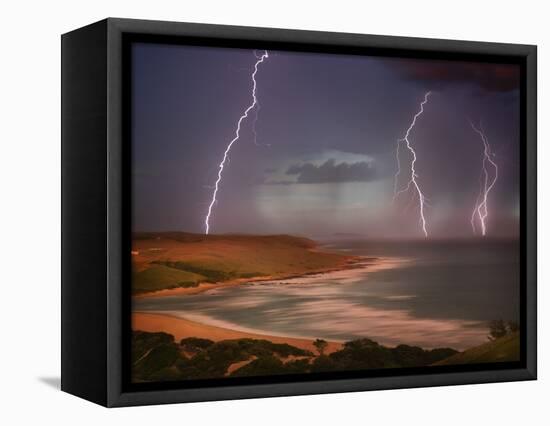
(195, 344)
(497, 329)
(321, 345)
(513, 326)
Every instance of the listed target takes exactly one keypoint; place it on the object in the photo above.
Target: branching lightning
(254, 121)
(412, 182)
(225, 158)
(257, 108)
(487, 182)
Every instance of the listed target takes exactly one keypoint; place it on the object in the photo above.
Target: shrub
(513, 327)
(195, 344)
(321, 345)
(263, 366)
(143, 341)
(497, 329)
(160, 357)
(323, 363)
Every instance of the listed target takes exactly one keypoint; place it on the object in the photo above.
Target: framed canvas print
(253, 212)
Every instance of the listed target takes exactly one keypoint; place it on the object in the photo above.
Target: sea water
(430, 294)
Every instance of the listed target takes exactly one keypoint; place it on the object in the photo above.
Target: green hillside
(171, 260)
(504, 349)
(159, 277)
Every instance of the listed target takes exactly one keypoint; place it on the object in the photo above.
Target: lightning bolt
(225, 158)
(254, 132)
(256, 113)
(486, 182)
(413, 175)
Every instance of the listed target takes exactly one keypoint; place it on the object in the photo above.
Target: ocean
(425, 293)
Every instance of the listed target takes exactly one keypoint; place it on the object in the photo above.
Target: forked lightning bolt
(254, 132)
(487, 182)
(225, 158)
(413, 182)
(255, 120)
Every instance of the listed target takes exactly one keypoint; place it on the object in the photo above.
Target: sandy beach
(181, 328)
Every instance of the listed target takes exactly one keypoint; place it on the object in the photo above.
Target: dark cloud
(487, 76)
(330, 171)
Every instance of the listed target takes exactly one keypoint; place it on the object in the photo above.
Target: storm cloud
(332, 172)
(486, 76)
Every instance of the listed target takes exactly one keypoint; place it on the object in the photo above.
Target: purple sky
(327, 132)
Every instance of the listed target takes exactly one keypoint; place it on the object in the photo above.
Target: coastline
(348, 263)
(158, 321)
(182, 328)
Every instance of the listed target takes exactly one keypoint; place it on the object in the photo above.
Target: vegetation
(503, 346)
(366, 354)
(160, 277)
(207, 359)
(321, 345)
(501, 349)
(142, 342)
(157, 357)
(172, 260)
(210, 275)
(195, 344)
(264, 366)
(501, 328)
(152, 352)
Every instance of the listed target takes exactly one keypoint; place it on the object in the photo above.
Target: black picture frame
(96, 214)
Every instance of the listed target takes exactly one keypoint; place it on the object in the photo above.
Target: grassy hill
(177, 259)
(159, 277)
(504, 349)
